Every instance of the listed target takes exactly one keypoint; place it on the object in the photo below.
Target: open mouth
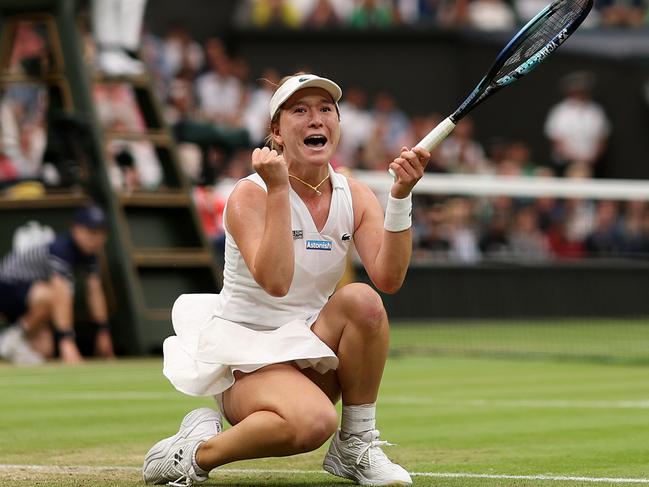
(315, 141)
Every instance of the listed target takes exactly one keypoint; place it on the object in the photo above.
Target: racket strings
(560, 15)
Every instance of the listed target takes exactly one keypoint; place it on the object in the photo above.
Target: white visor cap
(299, 82)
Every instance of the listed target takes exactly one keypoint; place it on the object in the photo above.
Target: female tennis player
(278, 347)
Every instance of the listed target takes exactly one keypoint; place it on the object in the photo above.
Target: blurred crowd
(218, 112)
(476, 14)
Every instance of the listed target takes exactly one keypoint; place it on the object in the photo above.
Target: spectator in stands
(577, 126)
(216, 123)
(578, 215)
(221, 95)
(30, 54)
(356, 123)
(396, 123)
(8, 171)
(417, 11)
(210, 198)
(37, 288)
(526, 241)
(134, 163)
(494, 237)
(181, 54)
(180, 102)
(322, 16)
(117, 25)
(517, 160)
(274, 13)
(371, 13)
(372, 155)
(561, 244)
(607, 238)
(209, 206)
(460, 231)
(23, 106)
(621, 13)
(22, 138)
(636, 239)
(454, 13)
(255, 114)
(117, 107)
(526, 9)
(490, 15)
(430, 239)
(122, 172)
(139, 166)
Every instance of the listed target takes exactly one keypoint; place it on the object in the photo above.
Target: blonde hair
(269, 141)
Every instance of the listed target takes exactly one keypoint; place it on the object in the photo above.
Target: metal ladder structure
(156, 248)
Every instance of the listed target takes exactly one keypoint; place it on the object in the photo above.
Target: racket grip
(439, 133)
(434, 137)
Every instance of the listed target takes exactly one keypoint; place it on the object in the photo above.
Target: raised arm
(260, 223)
(384, 244)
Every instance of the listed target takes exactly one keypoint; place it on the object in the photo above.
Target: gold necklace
(314, 188)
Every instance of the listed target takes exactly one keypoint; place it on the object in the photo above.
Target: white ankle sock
(357, 419)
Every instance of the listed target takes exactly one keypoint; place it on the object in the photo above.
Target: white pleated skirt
(201, 358)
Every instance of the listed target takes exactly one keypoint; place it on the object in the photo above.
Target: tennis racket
(539, 38)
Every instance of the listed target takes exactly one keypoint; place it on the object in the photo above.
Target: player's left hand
(409, 168)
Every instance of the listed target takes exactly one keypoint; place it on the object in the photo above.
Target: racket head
(539, 38)
(532, 44)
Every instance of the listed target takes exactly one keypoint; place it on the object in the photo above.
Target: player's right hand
(271, 166)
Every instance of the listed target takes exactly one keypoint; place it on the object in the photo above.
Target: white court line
(520, 403)
(87, 469)
(405, 400)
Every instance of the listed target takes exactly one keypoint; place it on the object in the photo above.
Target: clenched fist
(271, 166)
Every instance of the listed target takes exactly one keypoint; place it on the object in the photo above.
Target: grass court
(543, 404)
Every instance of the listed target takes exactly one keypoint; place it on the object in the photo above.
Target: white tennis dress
(244, 328)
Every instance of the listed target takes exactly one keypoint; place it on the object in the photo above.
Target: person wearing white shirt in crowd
(221, 95)
(255, 115)
(577, 126)
(356, 123)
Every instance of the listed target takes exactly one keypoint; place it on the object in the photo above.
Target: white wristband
(398, 214)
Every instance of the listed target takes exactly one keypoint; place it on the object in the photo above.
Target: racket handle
(434, 137)
(439, 133)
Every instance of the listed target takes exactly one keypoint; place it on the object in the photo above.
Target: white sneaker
(117, 63)
(15, 348)
(360, 458)
(169, 461)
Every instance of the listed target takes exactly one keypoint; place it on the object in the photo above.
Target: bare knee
(40, 301)
(40, 298)
(364, 308)
(314, 427)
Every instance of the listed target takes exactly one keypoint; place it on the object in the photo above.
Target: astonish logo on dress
(319, 245)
